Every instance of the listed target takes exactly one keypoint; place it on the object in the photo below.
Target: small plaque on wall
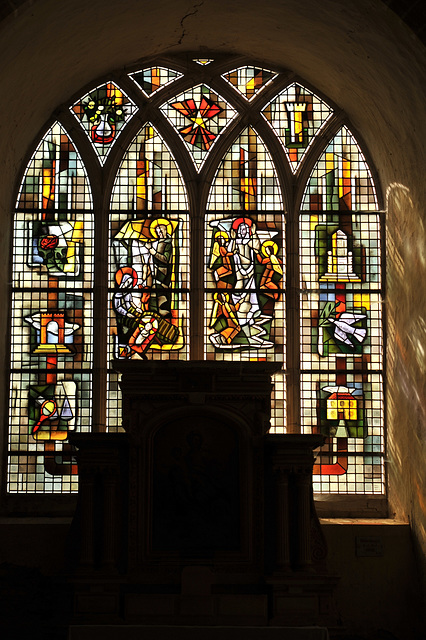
(369, 546)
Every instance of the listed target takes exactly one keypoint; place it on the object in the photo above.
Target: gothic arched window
(197, 209)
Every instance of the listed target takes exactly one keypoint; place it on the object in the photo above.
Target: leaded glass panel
(296, 115)
(148, 177)
(199, 115)
(246, 178)
(341, 336)
(341, 178)
(51, 318)
(155, 78)
(249, 81)
(102, 113)
(55, 177)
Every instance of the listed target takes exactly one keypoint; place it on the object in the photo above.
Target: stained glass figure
(340, 332)
(341, 178)
(249, 80)
(102, 113)
(55, 177)
(247, 273)
(246, 178)
(199, 115)
(148, 177)
(155, 78)
(296, 115)
(147, 287)
(54, 292)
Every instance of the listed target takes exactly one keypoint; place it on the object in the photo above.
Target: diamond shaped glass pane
(199, 115)
(102, 113)
(203, 61)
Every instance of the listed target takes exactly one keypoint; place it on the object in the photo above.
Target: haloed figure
(220, 261)
(125, 300)
(244, 246)
(244, 261)
(136, 325)
(272, 274)
(161, 251)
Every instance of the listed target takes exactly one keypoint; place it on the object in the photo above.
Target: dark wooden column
(101, 512)
(291, 459)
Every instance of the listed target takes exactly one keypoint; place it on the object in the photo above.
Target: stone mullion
(100, 321)
(293, 323)
(196, 224)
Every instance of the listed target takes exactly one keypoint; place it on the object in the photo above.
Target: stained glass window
(155, 78)
(190, 243)
(199, 116)
(102, 113)
(249, 80)
(296, 115)
(52, 317)
(341, 341)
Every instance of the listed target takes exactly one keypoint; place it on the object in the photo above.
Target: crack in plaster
(186, 16)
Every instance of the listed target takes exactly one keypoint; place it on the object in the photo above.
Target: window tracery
(207, 251)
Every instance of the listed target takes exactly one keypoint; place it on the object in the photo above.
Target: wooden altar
(195, 514)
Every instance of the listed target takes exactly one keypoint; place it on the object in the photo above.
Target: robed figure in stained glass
(144, 302)
(244, 261)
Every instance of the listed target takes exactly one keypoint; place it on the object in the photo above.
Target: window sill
(351, 506)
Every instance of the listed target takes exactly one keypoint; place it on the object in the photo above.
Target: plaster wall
(378, 593)
(357, 52)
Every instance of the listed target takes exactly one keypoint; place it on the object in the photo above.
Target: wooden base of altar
(195, 515)
(164, 632)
